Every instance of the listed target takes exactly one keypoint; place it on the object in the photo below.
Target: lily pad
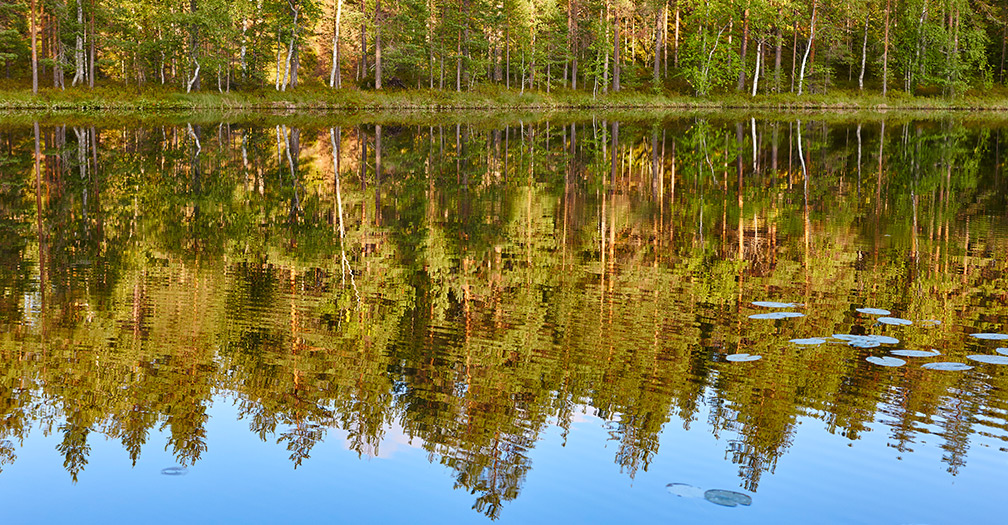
(684, 490)
(809, 341)
(866, 341)
(990, 359)
(894, 321)
(1002, 351)
(916, 353)
(947, 366)
(929, 322)
(885, 361)
(776, 315)
(873, 311)
(742, 358)
(991, 337)
(727, 498)
(174, 471)
(774, 304)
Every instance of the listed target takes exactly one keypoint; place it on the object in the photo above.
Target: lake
(704, 318)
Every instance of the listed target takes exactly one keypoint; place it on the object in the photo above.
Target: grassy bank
(320, 98)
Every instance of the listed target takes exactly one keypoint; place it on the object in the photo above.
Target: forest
(934, 48)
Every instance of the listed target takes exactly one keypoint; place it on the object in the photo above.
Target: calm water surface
(477, 320)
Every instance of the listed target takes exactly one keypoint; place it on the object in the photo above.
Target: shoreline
(322, 99)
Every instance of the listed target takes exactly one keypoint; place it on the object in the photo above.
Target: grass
(484, 98)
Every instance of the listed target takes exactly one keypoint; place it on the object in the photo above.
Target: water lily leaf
(991, 337)
(741, 358)
(916, 353)
(809, 341)
(684, 490)
(929, 322)
(894, 321)
(947, 366)
(776, 315)
(774, 304)
(990, 359)
(873, 311)
(885, 361)
(1002, 351)
(727, 498)
(174, 471)
(866, 341)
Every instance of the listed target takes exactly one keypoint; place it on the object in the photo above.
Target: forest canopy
(691, 47)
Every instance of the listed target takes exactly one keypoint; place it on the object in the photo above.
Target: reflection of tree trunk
(377, 157)
(741, 232)
(38, 216)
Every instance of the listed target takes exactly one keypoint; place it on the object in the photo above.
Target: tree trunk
(794, 54)
(34, 57)
(79, 49)
(334, 73)
(885, 52)
(745, 46)
(864, 56)
(194, 83)
(91, 47)
(616, 55)
(377, 45)
(759, 55)
(811, 37)
(675, 56)
(290, 49)
(657, 45)
(777, 61)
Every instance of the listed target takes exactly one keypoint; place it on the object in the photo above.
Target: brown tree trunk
(377, 46)
(34, 58)
(885, 52)
(616, 55)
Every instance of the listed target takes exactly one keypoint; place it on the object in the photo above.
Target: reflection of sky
(32, 308)
(822, 478)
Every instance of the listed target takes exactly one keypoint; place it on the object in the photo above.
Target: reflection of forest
(475, 285)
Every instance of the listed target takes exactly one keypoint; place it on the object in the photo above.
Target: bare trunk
(657, 45)
(864, 56)
(675, 57)
(194, 83)
(334, 73)
(811, 37)
(777, 61)
(79, 49)
(616, 56)
(885, 52)
(34, 60)
(759, 55)
(290, 49)
(377, 45)
(745, 47)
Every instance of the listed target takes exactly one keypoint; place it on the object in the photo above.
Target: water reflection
(475, 284)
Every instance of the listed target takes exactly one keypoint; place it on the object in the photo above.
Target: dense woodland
(697, 47)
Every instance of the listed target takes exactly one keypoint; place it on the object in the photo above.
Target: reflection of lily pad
(727, 498)
(894, 321)
(916, 353)
(1002, 351)
(991, 337)
(776, 315)
(174, 471)
(741, 358)
(809, 341)
(874, 311)
(947, 366)
(684, 490)
(774, 304)
(885, 361)
(990, 359)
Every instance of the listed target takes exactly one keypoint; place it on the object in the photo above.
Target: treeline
(700, 47)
